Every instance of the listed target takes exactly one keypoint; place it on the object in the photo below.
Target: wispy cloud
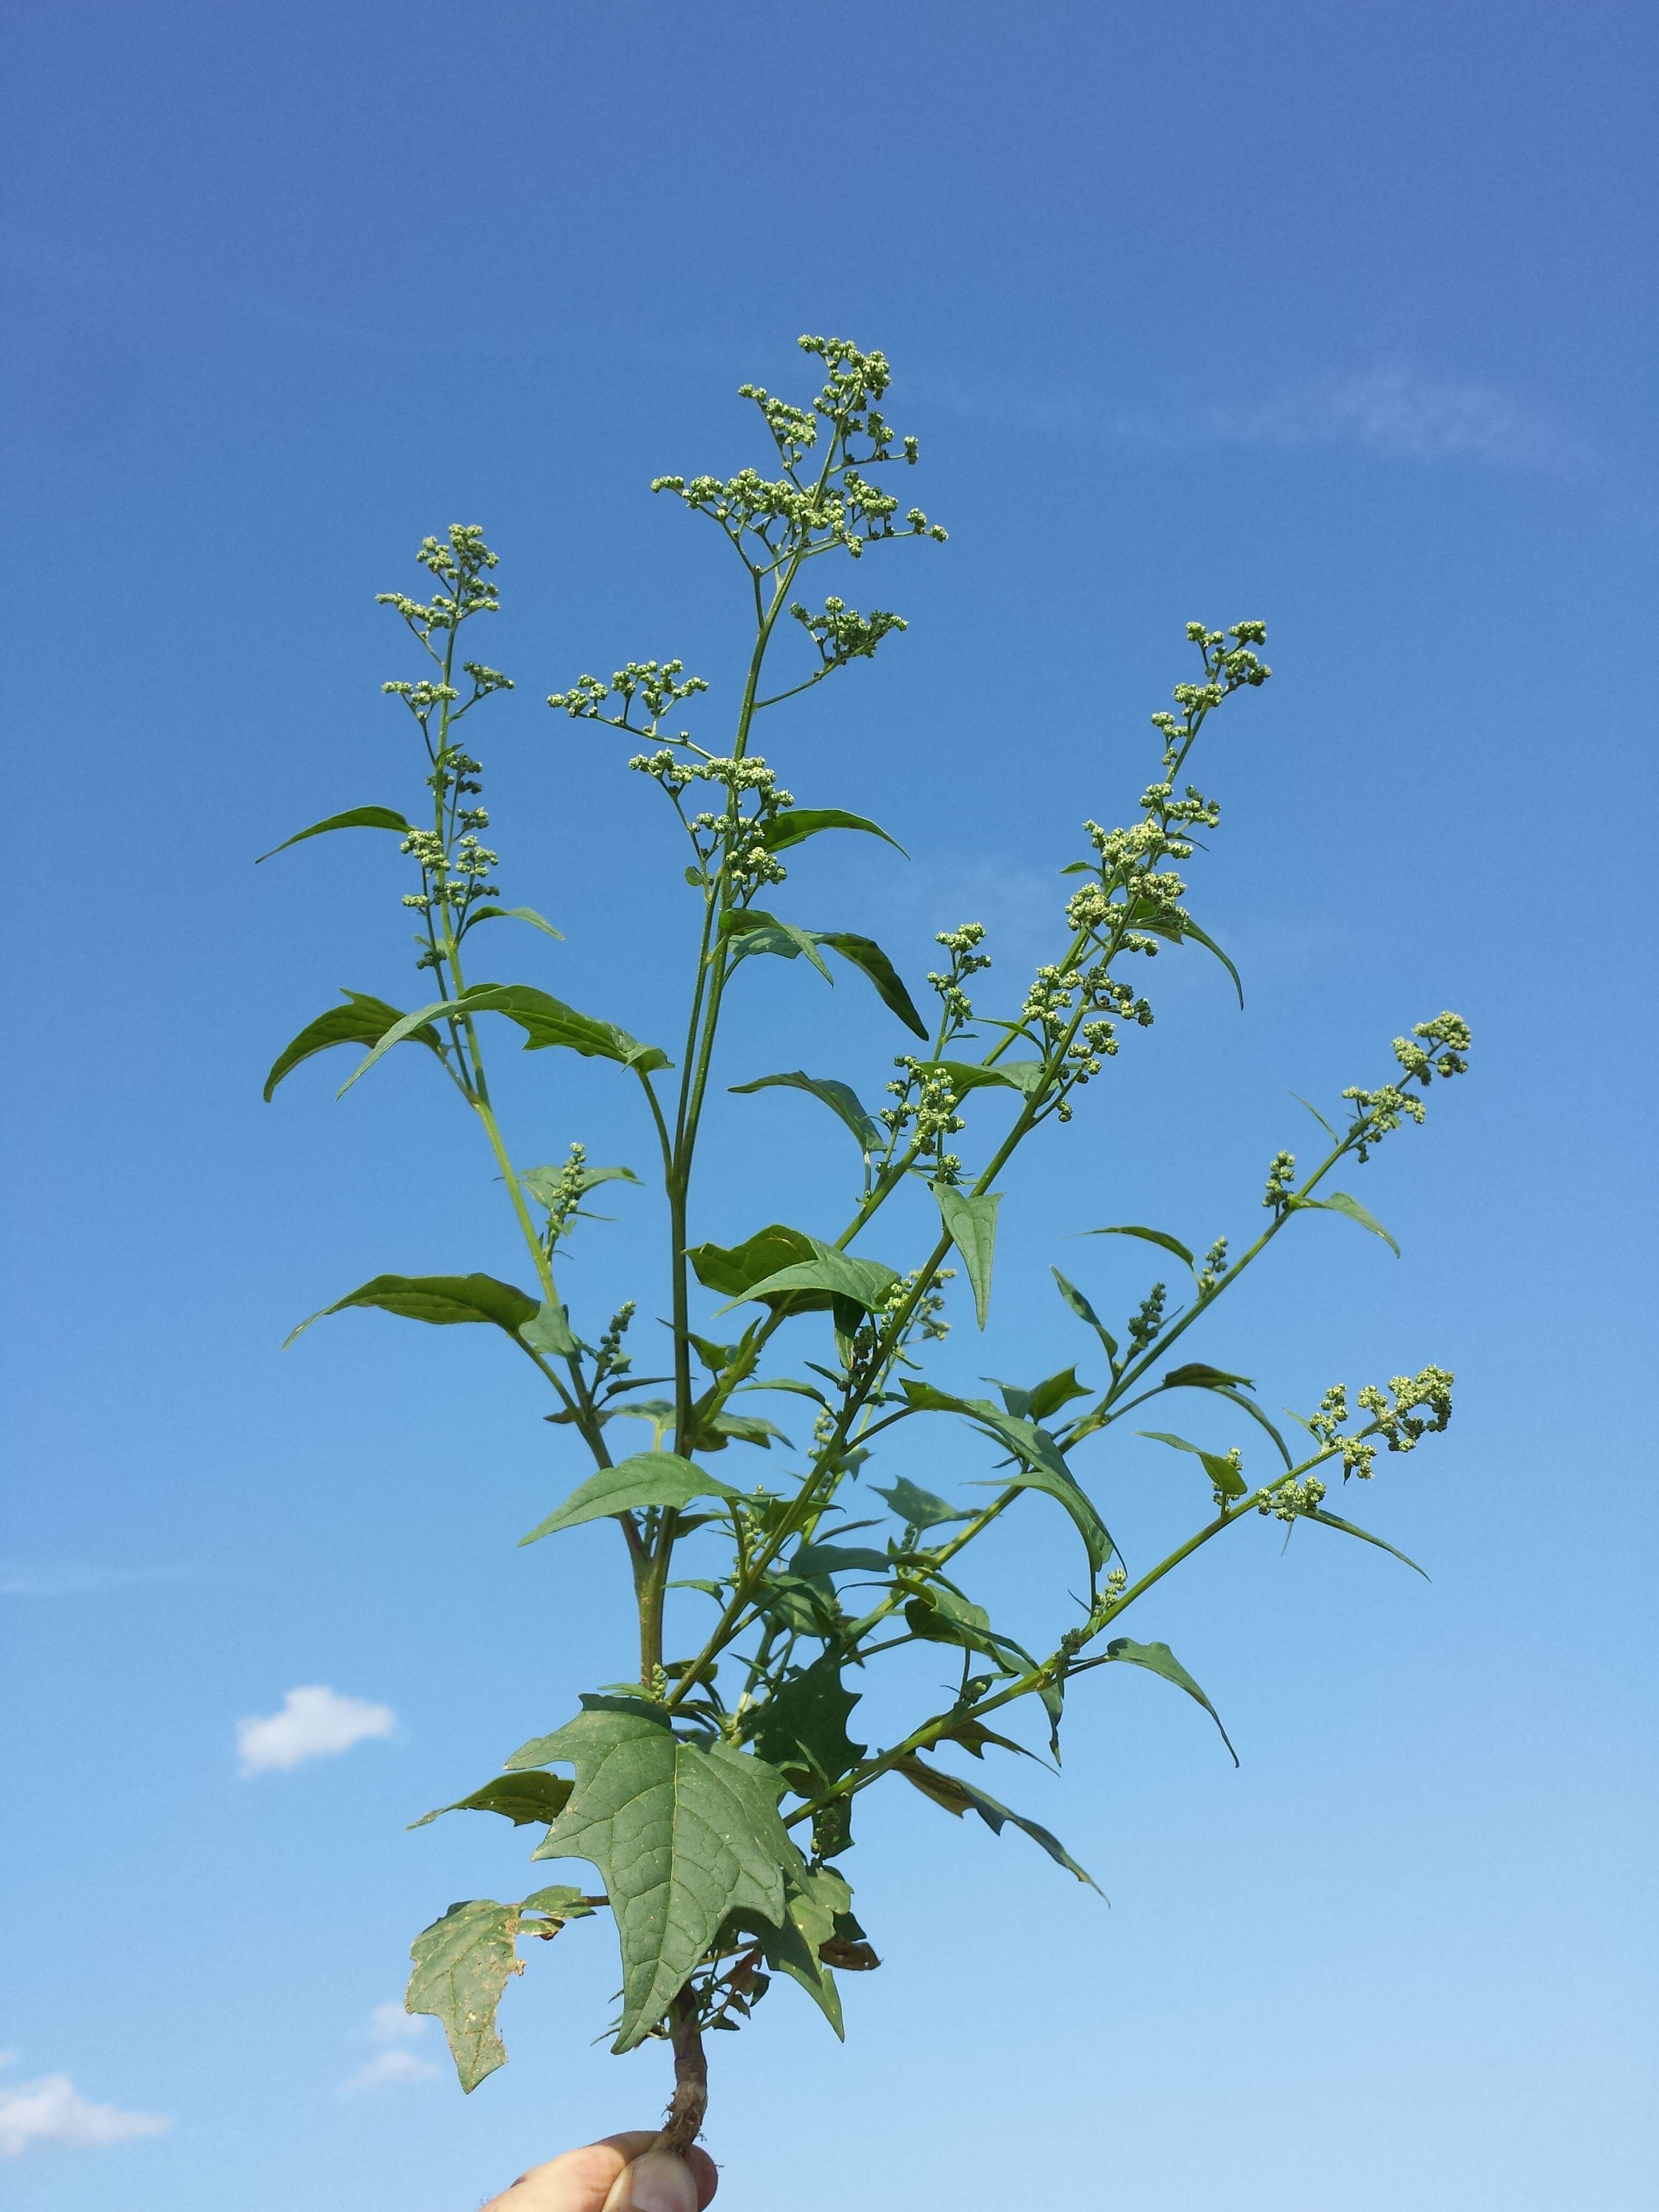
(391, 2027)
(53, 2111)
(1391, 410)
(79, 1578)
(315, 1722)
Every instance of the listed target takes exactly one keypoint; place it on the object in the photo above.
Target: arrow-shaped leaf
(780, 831)
(523, 1799)
(683, 1831)
(461, 1966)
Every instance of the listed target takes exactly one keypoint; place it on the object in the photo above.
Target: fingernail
(658, 2181)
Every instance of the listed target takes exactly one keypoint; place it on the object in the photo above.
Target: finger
(582, 2180)
(658, 2181)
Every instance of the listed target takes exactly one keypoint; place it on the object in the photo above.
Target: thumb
(658, 2181)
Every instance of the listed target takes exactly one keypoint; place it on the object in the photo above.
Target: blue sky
(1340, 318)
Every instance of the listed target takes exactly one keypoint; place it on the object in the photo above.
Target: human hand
(620, 2174)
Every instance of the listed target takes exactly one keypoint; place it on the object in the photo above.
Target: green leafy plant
(717, 1794)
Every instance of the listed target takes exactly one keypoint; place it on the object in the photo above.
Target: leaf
(545, 1184)
(461, 1966)
(1199, 1374)
(362, 1020)
(1158, 1659)
(1150, 1235)
(803, 1727)
(1056, 1391)
(866, 955)
(958, 1797)
(653, 1478)
(838, 1560)
(549, 1329)
(1221, 1471)
(966, 1075)
(1190, 929)
(1220, 1383)
(1317, 1116)
(520, 1798)
(734, 1269)
(970, 1223)
(683, 1832)
(1048, 1397)
(748, 1429)
(1333, 1520)
(478, 913)
(941, 1615)
(544, 1020)
(841, 1098)
(440, 1299)
(973, 1735)
(355, 817)
(1041, 1466)
(758, 931)
(867, 1283)
(1340, 1202)
(1085, 1312)
(918, 1508)
(781, 831)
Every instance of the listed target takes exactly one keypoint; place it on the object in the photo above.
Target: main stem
(690, 2099)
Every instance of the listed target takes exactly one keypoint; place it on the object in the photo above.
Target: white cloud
(53, 2111)
(390, 2024)
(27, 1578)
(314, 1721)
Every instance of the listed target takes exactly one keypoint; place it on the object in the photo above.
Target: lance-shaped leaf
(867, 956)
(1163, 924)
(1085, 1312)
(829, 1275)
(683, 1831)
(362, 1020)
(919, 1508)
(440, 1299)
(545, 1021)
(1158, 1659)
(838, 1560)
(461, 1966)
(1041, 1464)
(523, 1799)
(1334, 1521)
(970, 1223)
(1220, 1469)
(958, 1797)
(779, 831)
(966, 1075)
(478, 914)
(841, 1098)
(1148, 1235)
(803, 1727)
(355, 817)
(1340, 1202)
(1196, 1376)
(653, 1478)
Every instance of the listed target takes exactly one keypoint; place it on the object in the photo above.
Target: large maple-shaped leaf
(685, 1831)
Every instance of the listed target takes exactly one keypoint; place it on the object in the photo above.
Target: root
(691, 2099)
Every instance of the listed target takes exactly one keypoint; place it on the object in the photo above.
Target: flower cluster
(657, 684)
(1214, 1269)
(1281, 1177)
(462, 562)
(1436, 1048)
(842, 634)
(1147, 1319)
(1284, 1500)
(927, 1102)
(966, 960)
(1412, 1406)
